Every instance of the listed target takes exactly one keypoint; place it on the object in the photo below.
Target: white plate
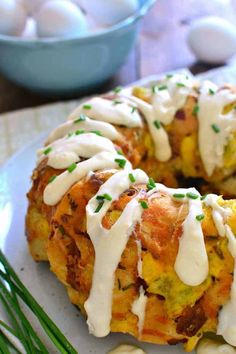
(14, 183)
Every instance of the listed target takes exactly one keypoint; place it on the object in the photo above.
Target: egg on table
(60, 18)
(109, 12)
(212, 39)
(13, 17)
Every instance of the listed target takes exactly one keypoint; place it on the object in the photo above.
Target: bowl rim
(143, 9)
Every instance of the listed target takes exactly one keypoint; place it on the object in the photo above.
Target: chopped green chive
(154, 88)
(81, 118)
(203, 197)
(78, 132)
(215, 128)
(179, 195)
(200, 217)
(72, 167)
(121, 162)
(211, 92)
(105, 196)
(87, 106)
(143, 204)
(97, 132)
(69, 135)
(180, 84)
(115, 102)
(169, 76)
(192, 195)
(151, 184)
(47, 151)
(100, 205)
(157, 124)
(132, 178)
(163, 87)
(195, 110)
(133, 109)
(120, 153)
(52, 178)
(117, 89)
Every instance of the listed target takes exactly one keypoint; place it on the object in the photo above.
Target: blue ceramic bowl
(65, 66)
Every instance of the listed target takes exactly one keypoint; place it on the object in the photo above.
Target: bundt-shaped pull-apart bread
(150, 259)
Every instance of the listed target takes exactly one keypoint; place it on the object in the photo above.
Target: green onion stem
(49, 326)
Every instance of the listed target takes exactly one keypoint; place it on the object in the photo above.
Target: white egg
(60, 18)
(12, 17)
(109, 12)
(212, 39)
(30, 29)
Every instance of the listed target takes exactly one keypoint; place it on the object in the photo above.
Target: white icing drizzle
(208, 346)
(138, 308)
(166, 102)
(66, 151)
(99, 303)
(211, 143)
(87, 125)
(111, 112)
(219, 214)
(191, 264)
(126, 349)
(55, 190)
(227, 316)
(159, 135)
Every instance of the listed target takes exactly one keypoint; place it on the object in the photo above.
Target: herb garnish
(121, 162)
(81, 118)
(72, 167)
(132, 178)
(200, 217)
(215, 128)
(143, 204)
(157, 124)
(48, 150)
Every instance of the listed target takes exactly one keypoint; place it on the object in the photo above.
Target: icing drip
(118, 111)
(215, 128)
(126, 349)
(191, 264)
(227, 317)
(166, 102)
(159, 135)
(99, 304)
(169, 96)
(87, 125)
(66, 151)
(55, 190)
(219, 214)
(138, 308)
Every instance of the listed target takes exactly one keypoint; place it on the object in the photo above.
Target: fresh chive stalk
(11, 291)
